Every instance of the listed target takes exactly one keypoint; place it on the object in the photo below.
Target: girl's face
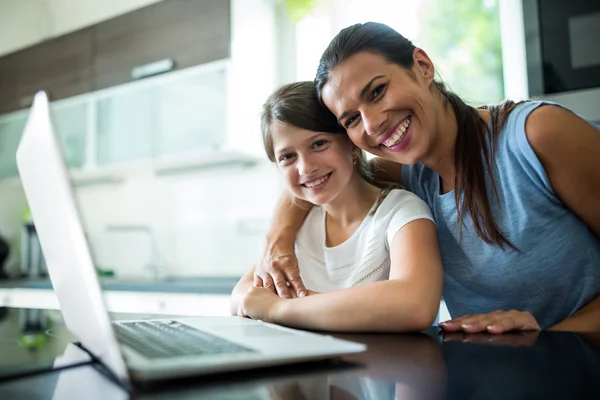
(315, 166)
(387, 110)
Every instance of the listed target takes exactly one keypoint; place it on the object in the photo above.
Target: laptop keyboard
(168, 339)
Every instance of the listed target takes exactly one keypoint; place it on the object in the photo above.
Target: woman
(365, 247)
(514, 188)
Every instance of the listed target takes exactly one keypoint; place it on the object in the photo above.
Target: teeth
(316, 182)
(398, 135)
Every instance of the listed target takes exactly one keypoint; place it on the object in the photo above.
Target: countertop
(424, 365)
(192, 284)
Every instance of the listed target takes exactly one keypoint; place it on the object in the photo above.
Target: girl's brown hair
(296, 104)
(472, 157)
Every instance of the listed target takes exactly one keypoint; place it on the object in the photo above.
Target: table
(424, 365)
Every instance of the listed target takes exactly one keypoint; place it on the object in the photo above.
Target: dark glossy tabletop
(37, 360)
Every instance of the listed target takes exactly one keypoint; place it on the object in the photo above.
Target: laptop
(139, 350)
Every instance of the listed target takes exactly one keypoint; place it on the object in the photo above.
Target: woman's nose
(373, 121)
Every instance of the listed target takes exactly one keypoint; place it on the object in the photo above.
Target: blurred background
(157, 106)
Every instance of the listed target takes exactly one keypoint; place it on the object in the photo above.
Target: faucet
(154, 267)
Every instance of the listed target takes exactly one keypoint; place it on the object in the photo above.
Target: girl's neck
(353, 203)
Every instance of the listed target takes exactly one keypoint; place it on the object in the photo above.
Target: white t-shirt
(365, 256)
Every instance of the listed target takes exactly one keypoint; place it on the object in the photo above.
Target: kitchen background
(158, 102)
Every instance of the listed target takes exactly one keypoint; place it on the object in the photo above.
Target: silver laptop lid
(54, 211)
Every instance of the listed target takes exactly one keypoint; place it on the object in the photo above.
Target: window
(462, 37)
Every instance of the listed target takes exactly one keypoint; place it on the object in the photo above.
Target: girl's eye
(377, 91)
(319, 143)
(350, 121)
(285, 157)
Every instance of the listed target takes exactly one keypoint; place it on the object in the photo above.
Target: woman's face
(387, 110)
(315, 166)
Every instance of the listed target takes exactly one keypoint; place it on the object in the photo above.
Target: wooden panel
(188, 31)
(62, 66)
(8, 84)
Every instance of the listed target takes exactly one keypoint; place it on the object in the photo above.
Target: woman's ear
(423, 65)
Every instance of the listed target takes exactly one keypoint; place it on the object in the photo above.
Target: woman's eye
(377, 91)
(350, 121)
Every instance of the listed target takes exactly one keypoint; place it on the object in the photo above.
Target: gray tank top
(557, 270)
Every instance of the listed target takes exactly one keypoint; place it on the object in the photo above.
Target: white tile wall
(206, 222)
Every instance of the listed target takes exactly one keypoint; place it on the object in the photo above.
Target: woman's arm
(386, 170)
(409, 301)
(279, 265)
(568, 147)
(587, 319)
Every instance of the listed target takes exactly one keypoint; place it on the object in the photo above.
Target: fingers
(268, 283)
(281, 284)
(514, 321)
(495, 322)
(293, 277)
(258, 282)
(470, 323)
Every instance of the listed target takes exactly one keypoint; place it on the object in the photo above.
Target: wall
(205, 222)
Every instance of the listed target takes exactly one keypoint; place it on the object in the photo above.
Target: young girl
(368, 254)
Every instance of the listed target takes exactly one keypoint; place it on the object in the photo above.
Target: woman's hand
(515, 339)
(260, 304)
(495, 322)
(277, 268)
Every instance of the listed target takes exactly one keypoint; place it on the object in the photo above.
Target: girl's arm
(409, 301)
(240, 289)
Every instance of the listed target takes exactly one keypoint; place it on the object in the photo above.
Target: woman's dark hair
(473, 158)
(296, 104)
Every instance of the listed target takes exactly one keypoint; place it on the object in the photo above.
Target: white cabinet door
(11, 128)
(192, 114)
(70, 122)
(173, 115)
(125, 126)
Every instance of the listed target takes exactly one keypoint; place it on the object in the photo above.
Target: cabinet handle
(153, 68)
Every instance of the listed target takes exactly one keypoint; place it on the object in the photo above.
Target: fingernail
(490, 327)
(466, 326)
(302, 294)
(444, 323)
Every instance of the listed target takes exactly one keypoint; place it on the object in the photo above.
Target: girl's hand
(495, 322)
(260, 304)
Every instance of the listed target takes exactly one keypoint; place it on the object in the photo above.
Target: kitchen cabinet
(70, 120)
(11, 128)
(182, 113)
(60, 66)
(188, 32)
